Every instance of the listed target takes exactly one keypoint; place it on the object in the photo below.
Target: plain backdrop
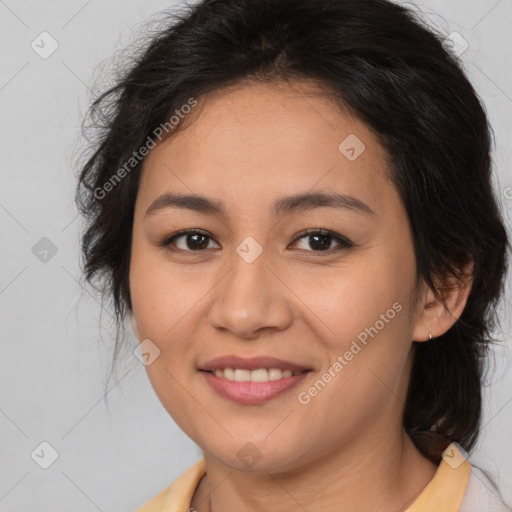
(114, 453)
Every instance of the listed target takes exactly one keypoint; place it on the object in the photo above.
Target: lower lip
(252, 392)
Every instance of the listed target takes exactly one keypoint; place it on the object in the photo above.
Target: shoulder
(481, 495)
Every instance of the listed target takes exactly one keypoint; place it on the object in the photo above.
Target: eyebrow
(283, 206)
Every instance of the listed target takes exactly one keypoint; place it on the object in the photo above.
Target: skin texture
(346, 449)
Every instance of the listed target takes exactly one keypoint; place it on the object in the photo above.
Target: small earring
(429, 335)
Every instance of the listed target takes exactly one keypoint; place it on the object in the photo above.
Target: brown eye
(316, 240)
(188, 240)
(321, 240)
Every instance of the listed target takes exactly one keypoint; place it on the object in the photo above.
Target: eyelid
(344, 242)
(189, 231)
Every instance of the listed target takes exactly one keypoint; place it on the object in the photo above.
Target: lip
(248, 392)
(251, 393)
(251, 363)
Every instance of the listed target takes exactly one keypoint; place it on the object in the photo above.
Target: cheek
(163, 295)
(366, 313)
(162, 304)
(368, 289)
(371, 314)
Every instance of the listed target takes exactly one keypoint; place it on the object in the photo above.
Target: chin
(258, 455)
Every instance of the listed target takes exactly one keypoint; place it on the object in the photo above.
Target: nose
(251, 299)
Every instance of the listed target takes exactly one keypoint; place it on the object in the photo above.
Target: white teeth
(258, 375)
(275, 374)
(242, 375)
(229, 373)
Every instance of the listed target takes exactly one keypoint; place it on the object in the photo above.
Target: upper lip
(251, 363)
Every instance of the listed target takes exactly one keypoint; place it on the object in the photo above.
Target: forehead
(255, 142)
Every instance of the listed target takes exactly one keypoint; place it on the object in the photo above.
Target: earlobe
(425, 329)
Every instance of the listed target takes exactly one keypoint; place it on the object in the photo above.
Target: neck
(363, 477)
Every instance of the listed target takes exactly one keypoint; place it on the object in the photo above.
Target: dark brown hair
(380, 61)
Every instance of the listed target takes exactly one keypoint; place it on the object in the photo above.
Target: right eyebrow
(284, 206)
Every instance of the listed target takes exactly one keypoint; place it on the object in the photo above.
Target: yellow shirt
(444, 493)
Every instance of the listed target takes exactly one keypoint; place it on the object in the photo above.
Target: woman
(292, 201)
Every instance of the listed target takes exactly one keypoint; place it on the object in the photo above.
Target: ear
(432, 315)
(135, 327)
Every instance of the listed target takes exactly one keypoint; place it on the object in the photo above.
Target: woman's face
(252, 284)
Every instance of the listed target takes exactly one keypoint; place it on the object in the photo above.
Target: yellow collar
(444, 492)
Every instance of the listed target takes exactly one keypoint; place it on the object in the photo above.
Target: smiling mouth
(256, 375)
(252, 387)
(252, 380)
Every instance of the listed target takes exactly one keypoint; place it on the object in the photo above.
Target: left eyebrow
(283, 206)
(308, 201)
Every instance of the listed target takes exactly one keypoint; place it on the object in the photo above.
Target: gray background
(115, 454)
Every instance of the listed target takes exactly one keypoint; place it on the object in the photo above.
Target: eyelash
(344, 243)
